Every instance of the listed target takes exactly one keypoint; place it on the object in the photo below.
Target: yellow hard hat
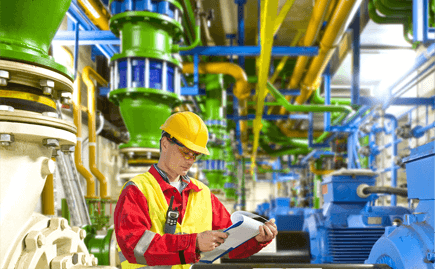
(189, 129)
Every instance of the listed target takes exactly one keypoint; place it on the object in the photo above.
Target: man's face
(176, 157)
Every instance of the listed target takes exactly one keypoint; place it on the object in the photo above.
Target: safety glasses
(187, 153)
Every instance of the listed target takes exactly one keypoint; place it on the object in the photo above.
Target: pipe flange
(21, 116)
(37, 77)
(49, 243)
(360, 191)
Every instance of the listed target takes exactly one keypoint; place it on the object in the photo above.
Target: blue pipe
(327, 88)
(419, 131)
(393, 169)
(355, 82)
(76, 48)
(421, 60)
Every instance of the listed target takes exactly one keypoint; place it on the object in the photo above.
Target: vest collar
(164, 185)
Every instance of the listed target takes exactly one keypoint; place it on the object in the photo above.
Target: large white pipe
(24, 165)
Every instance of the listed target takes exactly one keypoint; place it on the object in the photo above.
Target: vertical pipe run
(243, 190)
(241, 61)
(355, 83)
(48, 196)
(327, 88)
(76, 48)
(77, 112)
(393, 156)
(87, 73)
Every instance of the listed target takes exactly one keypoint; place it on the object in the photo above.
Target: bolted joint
(404, 131)
(50, 114)
(67, 148)
(4, 77)
(47, 86)
(50, 142)
(6, 108)
(6, 139)
(65, 97)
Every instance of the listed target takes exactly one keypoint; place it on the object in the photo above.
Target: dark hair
(164, 134)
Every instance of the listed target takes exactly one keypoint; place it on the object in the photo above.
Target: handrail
(77, 114)
(89, 72)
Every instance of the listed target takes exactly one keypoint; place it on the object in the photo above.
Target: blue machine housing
(286, 218)
(348, 226)
(411, 245)
(263, 208)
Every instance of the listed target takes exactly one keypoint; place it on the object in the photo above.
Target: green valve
(27, 29)
(146, 74)
(103, 247)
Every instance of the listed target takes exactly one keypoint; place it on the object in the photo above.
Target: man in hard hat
(142, 209)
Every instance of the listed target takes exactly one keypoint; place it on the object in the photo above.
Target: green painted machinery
(145, 75)
(27, 29)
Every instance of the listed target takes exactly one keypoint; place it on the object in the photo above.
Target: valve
(404, 131)
(365, 151)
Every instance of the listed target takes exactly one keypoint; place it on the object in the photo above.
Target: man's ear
(165, 143)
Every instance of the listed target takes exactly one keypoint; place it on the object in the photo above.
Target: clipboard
(243, 229)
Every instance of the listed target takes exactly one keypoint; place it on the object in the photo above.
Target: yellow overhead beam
(282, 14)
(268, 18)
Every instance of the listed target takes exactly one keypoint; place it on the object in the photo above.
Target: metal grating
(352, 245)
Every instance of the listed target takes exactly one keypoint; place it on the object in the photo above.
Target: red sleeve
(222, 220)
(132, 226)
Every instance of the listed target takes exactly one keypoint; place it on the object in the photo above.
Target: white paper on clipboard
(244, 228)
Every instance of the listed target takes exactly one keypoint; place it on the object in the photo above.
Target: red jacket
(132, 219)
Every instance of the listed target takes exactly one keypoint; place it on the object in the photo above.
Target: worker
(141, 211)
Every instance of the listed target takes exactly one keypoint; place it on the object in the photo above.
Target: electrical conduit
(88, 72)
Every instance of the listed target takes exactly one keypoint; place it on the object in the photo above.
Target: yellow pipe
(47, 196)
(319, 172)
(96, 12)
(314, 25)
(77, 114)
(331, 9)
(266, 33)
(282, 14)
(296, 40)
(241, 89)
(88, 72)
(328, 44)
(71, 56)
(316, 20)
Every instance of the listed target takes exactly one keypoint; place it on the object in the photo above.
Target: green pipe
(317, 99)
(322, 137)
(176, 48)
(98, 245)
(400, 5)
(282, 151)
(391, 12)
(27, 29)
(65, 211)
(243, 190)
(305, 108)
(382, 20)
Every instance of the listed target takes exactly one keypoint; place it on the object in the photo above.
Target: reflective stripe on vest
(197, 217)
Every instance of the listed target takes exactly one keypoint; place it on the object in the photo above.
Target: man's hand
(268, 231)
(209, 240)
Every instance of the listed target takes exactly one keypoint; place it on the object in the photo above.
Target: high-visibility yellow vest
(197, 217)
